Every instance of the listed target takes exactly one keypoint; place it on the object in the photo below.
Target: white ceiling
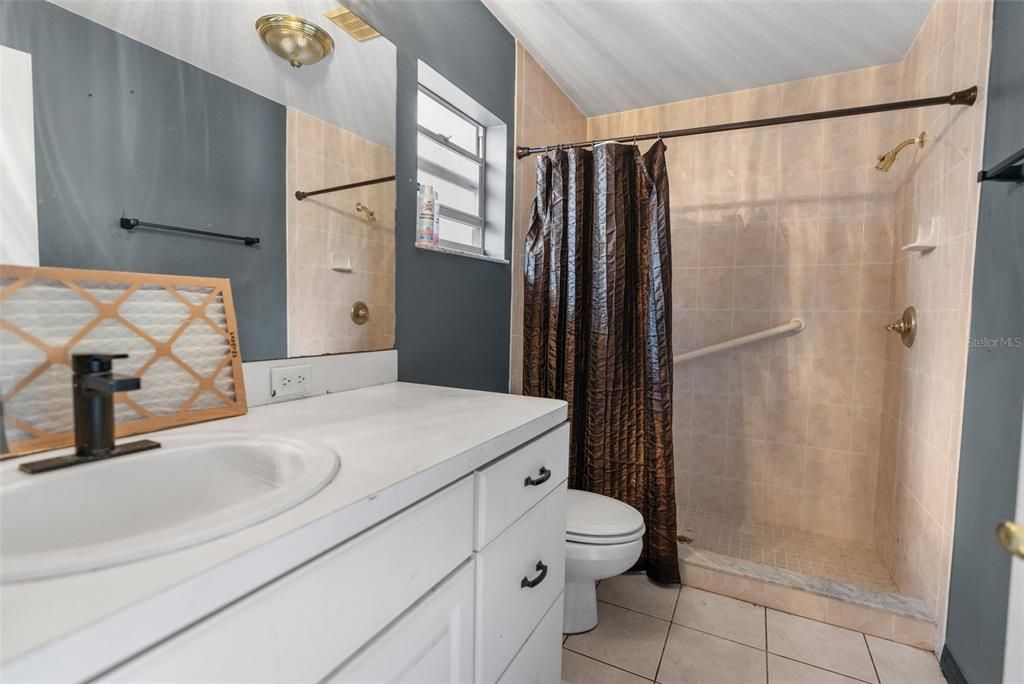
(614, 56)
(355, 88)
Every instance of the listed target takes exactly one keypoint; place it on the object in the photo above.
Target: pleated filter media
(179, 333)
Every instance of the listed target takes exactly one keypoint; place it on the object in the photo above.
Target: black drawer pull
(543, 476)
(531, 583)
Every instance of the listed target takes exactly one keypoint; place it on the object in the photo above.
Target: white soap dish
(341, 263)
(929, 240)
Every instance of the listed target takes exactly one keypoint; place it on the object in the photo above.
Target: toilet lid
(595, 519)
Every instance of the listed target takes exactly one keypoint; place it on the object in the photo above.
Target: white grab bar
(794, 326)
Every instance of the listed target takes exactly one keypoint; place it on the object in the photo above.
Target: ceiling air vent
(352, 24)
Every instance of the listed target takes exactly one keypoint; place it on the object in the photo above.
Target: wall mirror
(125, 120)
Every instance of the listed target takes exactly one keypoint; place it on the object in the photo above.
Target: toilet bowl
(603, 538)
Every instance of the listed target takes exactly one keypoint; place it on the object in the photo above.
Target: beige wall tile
(795, 601)
(859, 618)
(829, 426)
(837, 287)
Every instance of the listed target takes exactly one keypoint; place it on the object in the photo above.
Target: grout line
(764, 610)
(871, 655)
(824, 669)
(638, 612)
(604, 662)
(717, 636)
(664, 645)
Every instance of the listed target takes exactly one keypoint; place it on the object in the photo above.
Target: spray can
(425, 217)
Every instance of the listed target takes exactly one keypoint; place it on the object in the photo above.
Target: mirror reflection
(178, 138)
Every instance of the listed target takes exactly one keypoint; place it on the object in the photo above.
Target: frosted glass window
(451, 159)
(453, 231)
(455, 178)
(440, 119)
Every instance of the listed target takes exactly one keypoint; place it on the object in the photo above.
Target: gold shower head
(885, 161)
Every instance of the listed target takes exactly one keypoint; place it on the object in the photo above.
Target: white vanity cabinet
(463, 586)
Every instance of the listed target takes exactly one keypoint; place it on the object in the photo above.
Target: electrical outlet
(290, 381)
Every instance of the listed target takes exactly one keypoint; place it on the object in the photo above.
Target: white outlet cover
(290, 381)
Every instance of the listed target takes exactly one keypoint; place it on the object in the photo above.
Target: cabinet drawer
(431, 644)
(539, 661)
(303, 625)
(511, 485)
(532, 551)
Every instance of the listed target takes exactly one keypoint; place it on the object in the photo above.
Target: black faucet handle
(109, 383)
(94, 363)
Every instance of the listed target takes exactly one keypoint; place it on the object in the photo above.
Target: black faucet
(93, 388)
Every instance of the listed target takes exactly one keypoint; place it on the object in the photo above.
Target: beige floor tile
(692, 657)
(784, 671)
(637, 592)
(815, 643)
(721, 615)
(623, 638)
(899, 664)
(578, 669)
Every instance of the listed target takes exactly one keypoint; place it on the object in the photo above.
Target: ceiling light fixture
(294, 39)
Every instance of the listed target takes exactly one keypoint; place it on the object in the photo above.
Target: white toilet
(603, 538)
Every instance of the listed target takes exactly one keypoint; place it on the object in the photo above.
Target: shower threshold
(806, 573)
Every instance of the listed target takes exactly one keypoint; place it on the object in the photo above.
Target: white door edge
(1013, 663)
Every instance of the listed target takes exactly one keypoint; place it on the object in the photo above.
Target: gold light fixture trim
(885, 161)
(293, 39)
(352, 24)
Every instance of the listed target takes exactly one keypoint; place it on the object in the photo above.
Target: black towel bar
(130, 223)
(1010, 170)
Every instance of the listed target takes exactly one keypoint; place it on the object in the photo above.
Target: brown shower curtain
(598, 328)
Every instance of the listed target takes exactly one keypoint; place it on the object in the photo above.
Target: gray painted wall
(452, 313)
(121, 127)
(990, 448)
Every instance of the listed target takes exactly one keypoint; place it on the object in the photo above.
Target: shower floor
(787, 549)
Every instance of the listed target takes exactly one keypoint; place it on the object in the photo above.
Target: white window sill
(461, 253)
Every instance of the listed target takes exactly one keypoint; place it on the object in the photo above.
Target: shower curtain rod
(964, 97)
(300, 195)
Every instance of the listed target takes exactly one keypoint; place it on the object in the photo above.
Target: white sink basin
(191, 490)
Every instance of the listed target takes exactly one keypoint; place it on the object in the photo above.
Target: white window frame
(497, 168)
(479, 157)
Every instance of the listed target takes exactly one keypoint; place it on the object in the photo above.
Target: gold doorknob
(1011, 537)
(906, 326)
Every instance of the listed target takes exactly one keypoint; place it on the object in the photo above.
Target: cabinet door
(539, 661)
(432, 643)
(301, 626)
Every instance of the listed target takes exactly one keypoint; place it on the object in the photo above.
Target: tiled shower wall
(924, 385)
(768, 225)
(319, 228)
(544, 116)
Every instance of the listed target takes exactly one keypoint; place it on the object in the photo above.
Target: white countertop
(397, 442)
